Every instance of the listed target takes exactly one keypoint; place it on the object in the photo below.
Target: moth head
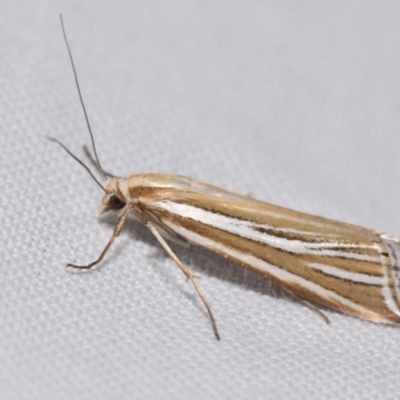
(116, 196)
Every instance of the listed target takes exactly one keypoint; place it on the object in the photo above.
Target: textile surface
(294, 103)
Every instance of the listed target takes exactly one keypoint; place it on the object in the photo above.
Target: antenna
(93, 161)
(84, 109)
(79, 161)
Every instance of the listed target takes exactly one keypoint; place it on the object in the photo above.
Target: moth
(317, 260)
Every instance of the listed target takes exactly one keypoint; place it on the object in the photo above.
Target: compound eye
(116, 202)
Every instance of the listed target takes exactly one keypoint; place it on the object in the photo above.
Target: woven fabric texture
(294, 103)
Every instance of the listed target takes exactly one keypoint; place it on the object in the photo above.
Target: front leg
(116, 233)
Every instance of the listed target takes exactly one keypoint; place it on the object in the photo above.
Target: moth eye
(116, 202)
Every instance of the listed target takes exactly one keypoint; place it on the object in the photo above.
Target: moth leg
(188, 274)
(115, 234)
(311, 306)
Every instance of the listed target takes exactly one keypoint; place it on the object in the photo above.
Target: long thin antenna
(81, 99)
(79, 161)
(94, 163)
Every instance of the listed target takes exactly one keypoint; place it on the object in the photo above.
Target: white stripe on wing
(257, 232)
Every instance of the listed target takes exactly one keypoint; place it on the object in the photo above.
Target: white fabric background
(295, 103)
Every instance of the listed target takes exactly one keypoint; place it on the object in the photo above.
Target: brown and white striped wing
(352, 269)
